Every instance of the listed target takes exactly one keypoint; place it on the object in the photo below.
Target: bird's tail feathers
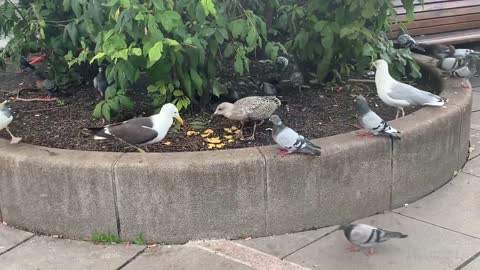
(393, 133)
(389, 234)
(311, 148)
(440, 102)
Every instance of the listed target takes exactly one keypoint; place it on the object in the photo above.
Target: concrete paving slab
(473, 265)
(282, 245)
(475, 82)
(476, 100)
(427, 247)
(475, 120)
(9, 237)
(42, 252)
(182, 257)
(454, 206)
(474, 143)
(472, 167)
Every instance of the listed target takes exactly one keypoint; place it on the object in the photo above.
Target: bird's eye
(219, 109)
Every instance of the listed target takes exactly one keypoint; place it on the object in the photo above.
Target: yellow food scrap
(204, 135)
(228, 137)
(228, 130)
(234, 128)
(220, 145)
(231, 140)
(167, 143)
(214, 140)
(192, 133)
(208, 131)
(237, 131)
(211, 145)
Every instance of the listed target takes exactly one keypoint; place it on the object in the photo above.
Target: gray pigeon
(464, 52)
(100, 83)
(281, 63)
(406, 41)
(451, 63)
(297, 80)
(268, 89)
(6, 118)
(363, 235)
(372, 122)
(290, 140)
(400, 95)
(43, 83)
(254, 108)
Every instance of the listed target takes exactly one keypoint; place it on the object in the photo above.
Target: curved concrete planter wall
(175, 197)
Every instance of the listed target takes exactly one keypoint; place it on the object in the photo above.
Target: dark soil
(317, 112)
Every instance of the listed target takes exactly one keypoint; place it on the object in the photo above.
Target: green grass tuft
(139, 240)
(105, 238)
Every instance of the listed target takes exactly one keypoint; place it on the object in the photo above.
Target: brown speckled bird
(254, 108)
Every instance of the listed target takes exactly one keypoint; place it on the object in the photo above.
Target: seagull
(290, 140)
(6, 118)
(100, 83)
(45, 84)
(400, 95)
(254, 108)
(406, 41)
(142, 130)
(372, 122)
(363, 235)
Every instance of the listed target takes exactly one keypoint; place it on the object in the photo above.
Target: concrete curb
(176, 197)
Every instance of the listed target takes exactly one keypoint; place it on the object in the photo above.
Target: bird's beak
(180, 121)
(213, 115)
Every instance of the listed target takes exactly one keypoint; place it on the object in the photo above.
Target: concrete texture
(475, 120)
(192, 196)
(428, 154)
(446, 202)
(472, 167)
(283, 245)
(427, 247)
(474, 143)
(476, 101)
(10, 237)
(474, 265)
(182, 257)
(49, 253)
(349, 180)
(55, 191)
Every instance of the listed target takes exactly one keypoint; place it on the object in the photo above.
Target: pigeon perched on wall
(400, 95)
(100, 82)
(406, 41)
(451, 63)
(142, 130)
(372, 122)
(6, 118)
(363, 235)
(45, 84)
(290, 141)
(254, 108)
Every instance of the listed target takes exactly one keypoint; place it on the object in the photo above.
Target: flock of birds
(143, 131)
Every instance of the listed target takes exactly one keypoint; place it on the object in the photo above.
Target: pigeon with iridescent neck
(372, 122)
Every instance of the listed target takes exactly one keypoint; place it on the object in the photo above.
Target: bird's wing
(412, 95)
(95, 83)
(371, 120)
(134, 131)
(287, 138)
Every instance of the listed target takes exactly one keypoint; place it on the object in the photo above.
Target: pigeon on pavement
(406, 41)
(100, 82)
(372, 122)
(142, 130)
(254, 108)
(290, 140)
(6, 118)
(400, 95)
(363, 235)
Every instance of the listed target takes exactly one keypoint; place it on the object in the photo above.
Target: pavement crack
(465, 263)
(309, 243)
(18, 244)
(115, 194)
(265, 187)
(132, 258)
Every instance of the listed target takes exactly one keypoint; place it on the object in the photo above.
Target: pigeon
(464, 52)
(281, 63)
(100, 83)
(297, 80)
(268, 89)
(6, 118)
(400, 95)
(406, 41)
(142, 130)
(45, 84)
(451, 63)
(254, 108)
(290, 140)
(363, 235)
(464, 72)
(438, 50)
(372, 122)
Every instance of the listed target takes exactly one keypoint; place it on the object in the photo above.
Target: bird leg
(403, 112)
(365, 134)
(14, 139)
(131, 145)
(398, 112)
(261, 122)
(251, 138)
(283, 153)
(353, 248)
(370, 252)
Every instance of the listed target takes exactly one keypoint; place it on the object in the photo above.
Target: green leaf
(208, 7)
(170, 19)
(177, 93)
(125, 102)
(110, 92)
(369, 9)
(318, 27)
(136, 51)
(218, 89)
(228, 50)
(155, 53)
(114, 105)
(97, 112)
(158, 4)
(99, 55)
(196, 79)
(327, 38)
(106, 111)
(252, 38)
(238, 27)
(238, 65)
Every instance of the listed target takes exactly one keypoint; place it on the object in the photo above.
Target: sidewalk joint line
(18, 244)
(132, 258)
(308, 244)
(115, 194)
(265, 187)
(465, 263)
(439, 226)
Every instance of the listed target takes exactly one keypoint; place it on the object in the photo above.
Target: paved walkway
(443, 229)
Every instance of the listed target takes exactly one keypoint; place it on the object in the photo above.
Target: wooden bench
(441, 21)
